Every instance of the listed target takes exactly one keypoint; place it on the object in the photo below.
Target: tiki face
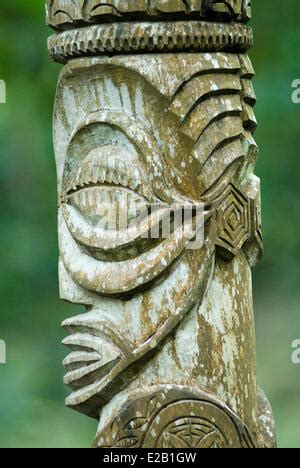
(124, 154)
(126, 140)
(120, 150)
(156, 118)
(131, 143)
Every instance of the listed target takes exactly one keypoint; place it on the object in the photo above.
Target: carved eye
(107, 7)
(110, 188)
(63, 14)
(111, 208)
(108, 203)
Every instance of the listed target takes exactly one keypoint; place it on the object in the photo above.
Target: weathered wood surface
(164, 355)
(62, 14)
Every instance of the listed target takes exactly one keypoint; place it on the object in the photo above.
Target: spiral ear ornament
(159, 220)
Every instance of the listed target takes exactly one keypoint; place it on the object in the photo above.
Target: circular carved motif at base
(174, 417)
(192, 424)
(191, 433)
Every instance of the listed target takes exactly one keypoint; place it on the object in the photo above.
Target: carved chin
(113, 277)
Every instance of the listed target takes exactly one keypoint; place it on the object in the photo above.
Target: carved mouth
(113, 224)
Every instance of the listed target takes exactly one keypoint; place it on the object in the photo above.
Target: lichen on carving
(154, 118)
(65, 13)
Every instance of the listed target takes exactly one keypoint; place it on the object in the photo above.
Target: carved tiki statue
(154, 111)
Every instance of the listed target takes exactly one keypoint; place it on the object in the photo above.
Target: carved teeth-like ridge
(113, 166)
(114, 205)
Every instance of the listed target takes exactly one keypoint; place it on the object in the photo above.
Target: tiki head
(159, 215)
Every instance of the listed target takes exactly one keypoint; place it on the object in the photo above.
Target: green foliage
(31, 402)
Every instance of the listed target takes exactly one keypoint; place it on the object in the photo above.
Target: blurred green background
(32, 413)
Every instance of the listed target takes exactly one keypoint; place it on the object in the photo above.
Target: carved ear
(215, 112)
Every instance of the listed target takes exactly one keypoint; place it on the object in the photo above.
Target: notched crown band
(172, 36)
(64, 14)
(95, 27)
